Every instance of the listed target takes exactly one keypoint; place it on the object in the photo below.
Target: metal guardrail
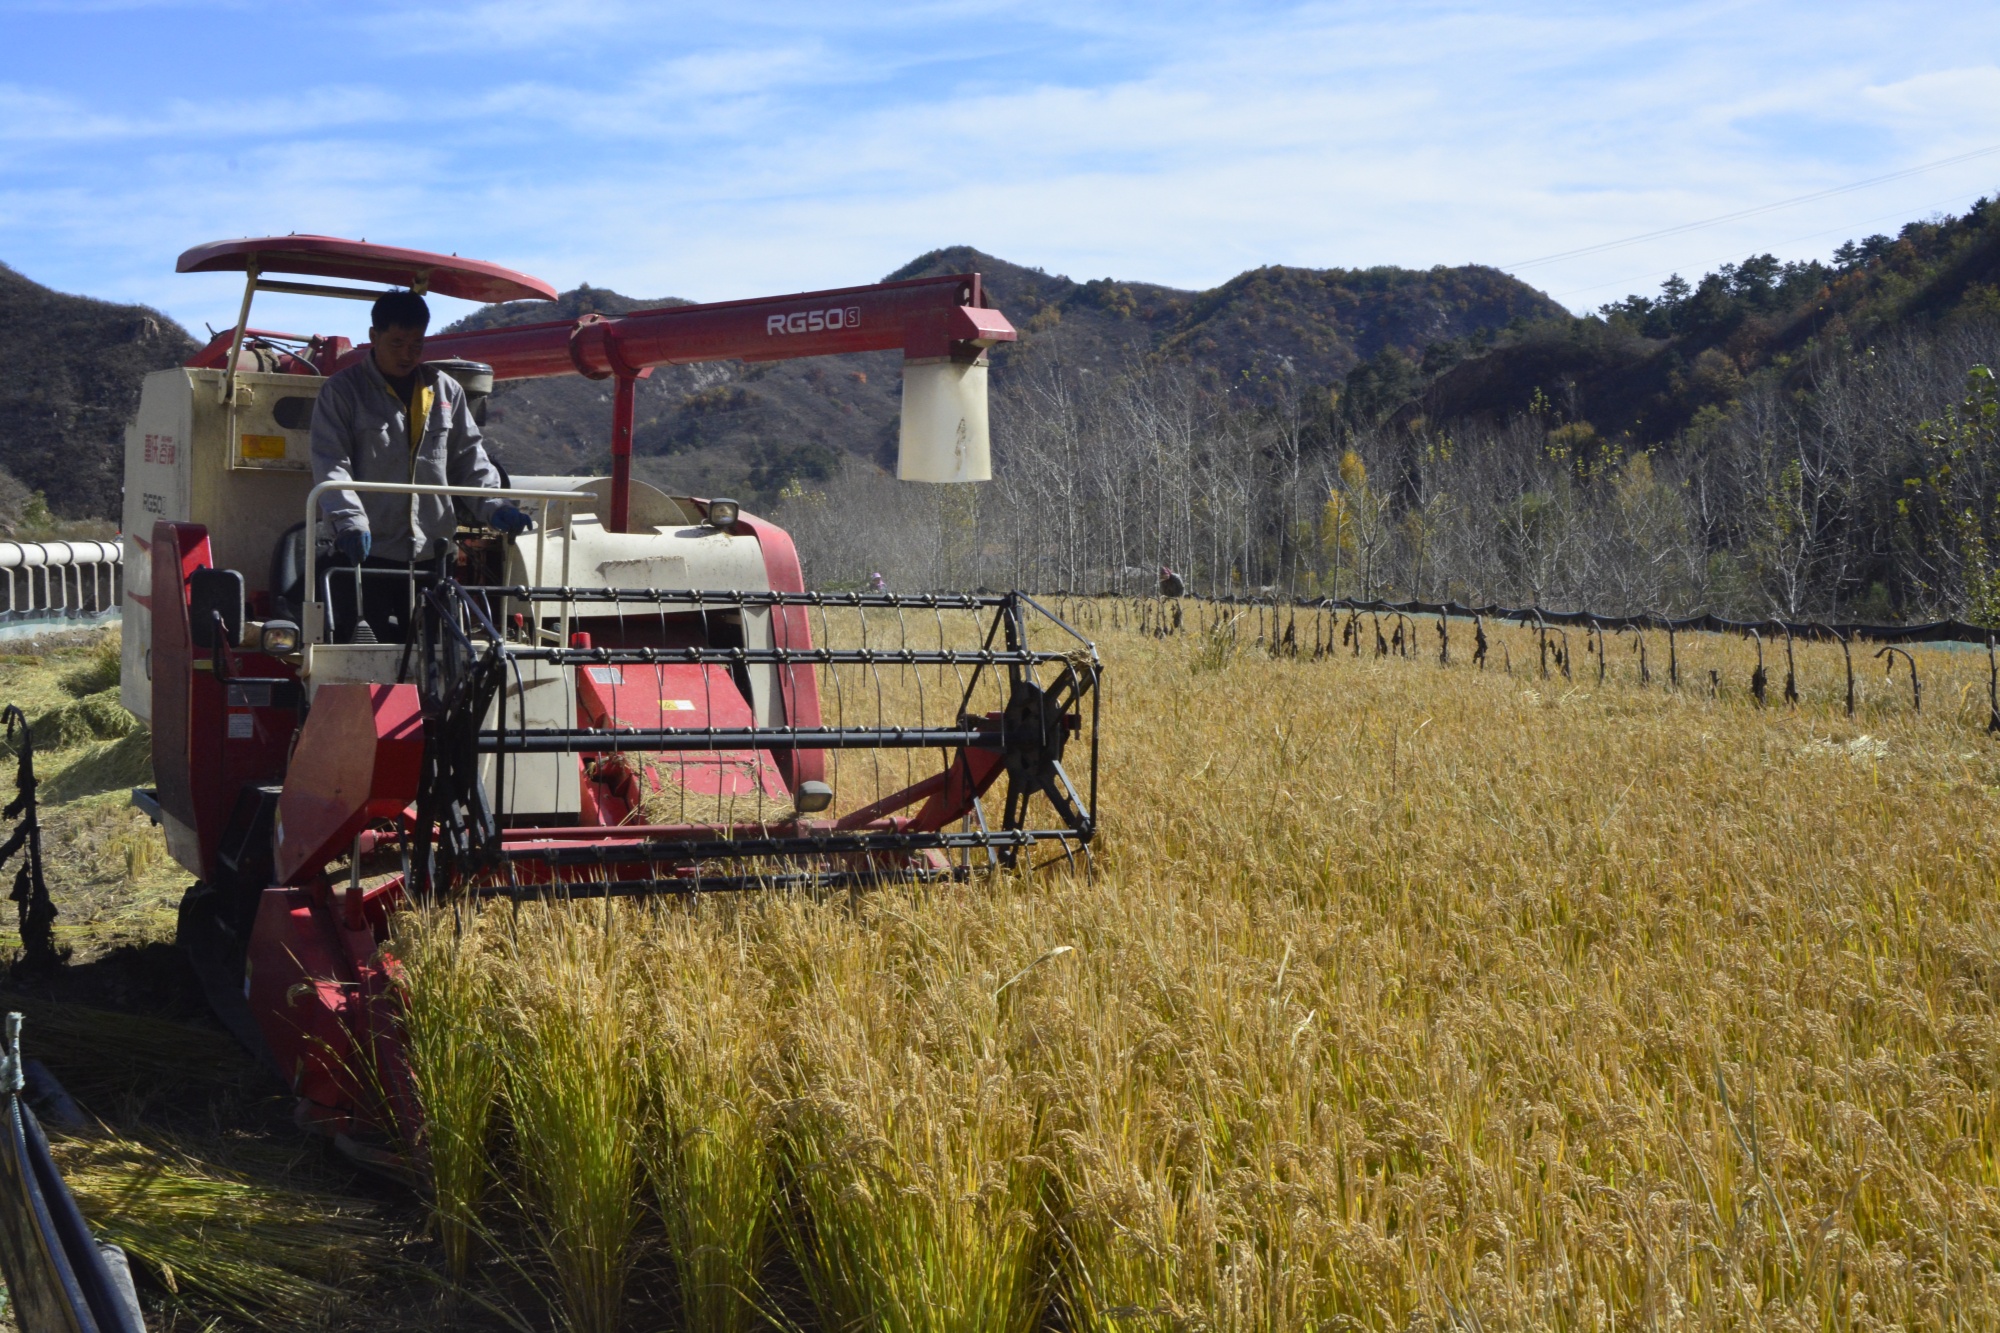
(61, 580)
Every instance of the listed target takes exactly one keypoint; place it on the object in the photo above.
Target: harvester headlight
(812, 797)
(722, 513)
(280, 636)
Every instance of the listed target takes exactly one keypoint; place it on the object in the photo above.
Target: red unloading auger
(942, 325)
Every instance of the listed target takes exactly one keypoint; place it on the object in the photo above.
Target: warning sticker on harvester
(677, 705)
(242, 726)
(607, 675)
(264, 448)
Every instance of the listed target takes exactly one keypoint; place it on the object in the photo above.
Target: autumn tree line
(1863, 488)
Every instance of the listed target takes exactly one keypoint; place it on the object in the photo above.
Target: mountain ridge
(1644, 371)
(752, 429)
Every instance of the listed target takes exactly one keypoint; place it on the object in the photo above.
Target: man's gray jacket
(361, 432)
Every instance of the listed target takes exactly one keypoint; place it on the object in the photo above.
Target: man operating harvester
(389, 417)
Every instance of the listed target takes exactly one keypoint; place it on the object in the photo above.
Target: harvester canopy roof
(335, 257)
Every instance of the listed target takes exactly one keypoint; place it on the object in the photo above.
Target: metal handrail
(314, 611)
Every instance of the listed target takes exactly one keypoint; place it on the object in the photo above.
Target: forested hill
(750, 430)
(1643, 370)
(72, 382)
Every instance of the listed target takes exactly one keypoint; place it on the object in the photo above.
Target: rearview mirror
(211, 591)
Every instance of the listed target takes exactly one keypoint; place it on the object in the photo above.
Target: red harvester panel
(358, 758)
(684, 696)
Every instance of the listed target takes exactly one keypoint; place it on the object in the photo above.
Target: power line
(1754, 212)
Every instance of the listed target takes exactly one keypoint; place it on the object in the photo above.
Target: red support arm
(622, 411)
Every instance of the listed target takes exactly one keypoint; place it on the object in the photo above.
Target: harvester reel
(934, 829)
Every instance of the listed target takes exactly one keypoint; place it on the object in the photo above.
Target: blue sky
(722, 150)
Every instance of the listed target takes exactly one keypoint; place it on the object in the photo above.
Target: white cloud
(692, 150)
(466, 29)
(27, 115)
(1970, 95)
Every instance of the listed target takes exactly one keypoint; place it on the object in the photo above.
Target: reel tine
(823, 676)
(876, 676)
(903, 633)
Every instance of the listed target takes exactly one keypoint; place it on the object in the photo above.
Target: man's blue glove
(354, 544)
(511, 520)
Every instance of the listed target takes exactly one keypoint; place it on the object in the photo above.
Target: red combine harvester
(640, 697)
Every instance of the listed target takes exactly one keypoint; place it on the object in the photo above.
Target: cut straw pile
(271, 1256)
(1405, 996)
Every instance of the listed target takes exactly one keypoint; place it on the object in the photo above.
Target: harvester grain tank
(639, 697)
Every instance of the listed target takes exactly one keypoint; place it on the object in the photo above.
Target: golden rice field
(1404, 996)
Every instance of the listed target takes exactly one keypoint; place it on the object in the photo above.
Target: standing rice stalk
(448, 996)
(711, 1171)
(1201, 1176)
(909, 1142)
(1505, 1007)
(573, 1097)
(1137, 1225)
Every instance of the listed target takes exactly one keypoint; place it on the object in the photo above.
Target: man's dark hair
(399, 310)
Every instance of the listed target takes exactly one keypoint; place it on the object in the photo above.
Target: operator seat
(288, 572)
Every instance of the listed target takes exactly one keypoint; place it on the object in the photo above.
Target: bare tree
(1849, 482)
